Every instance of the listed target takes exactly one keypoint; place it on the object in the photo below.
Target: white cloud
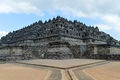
(113, 20)
(103, 27)
(106, 10)
(3, 33)
(15, 6)
(77, 7)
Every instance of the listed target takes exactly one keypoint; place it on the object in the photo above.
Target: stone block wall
(103, 52)
(14, 53)
(114, 50)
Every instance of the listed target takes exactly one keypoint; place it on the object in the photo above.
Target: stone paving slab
(61, 63)
(81, 75)
(55, 75)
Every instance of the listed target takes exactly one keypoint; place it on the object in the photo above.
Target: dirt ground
(109, 71)
(14, 72)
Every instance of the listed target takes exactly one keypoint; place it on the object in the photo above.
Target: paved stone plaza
(75, 69)
(68, 63)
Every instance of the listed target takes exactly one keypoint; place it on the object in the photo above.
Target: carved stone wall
(14, 53)
(58, 39)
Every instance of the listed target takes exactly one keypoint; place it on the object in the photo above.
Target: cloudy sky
(15, 14)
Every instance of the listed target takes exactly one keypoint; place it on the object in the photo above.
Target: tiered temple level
(57, 38)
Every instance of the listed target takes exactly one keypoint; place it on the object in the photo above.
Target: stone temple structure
(58, 39)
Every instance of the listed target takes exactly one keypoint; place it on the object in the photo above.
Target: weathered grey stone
(58, 39)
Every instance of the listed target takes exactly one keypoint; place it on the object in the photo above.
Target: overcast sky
(15, 14)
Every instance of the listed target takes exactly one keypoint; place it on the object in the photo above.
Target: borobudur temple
(58, 38)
